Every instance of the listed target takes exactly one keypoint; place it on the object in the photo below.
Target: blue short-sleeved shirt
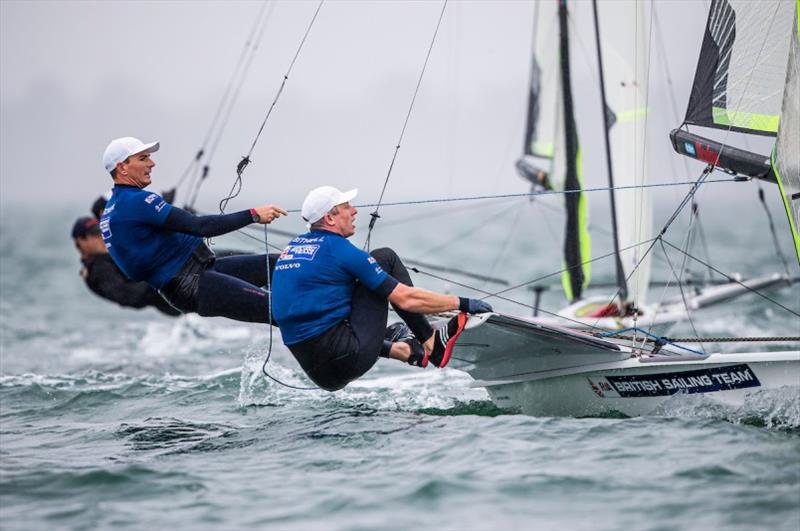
(132, 228)
(312, 287)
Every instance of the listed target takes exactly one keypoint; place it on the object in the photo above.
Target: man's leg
(248, 267)
(392, 264)
(221, 295)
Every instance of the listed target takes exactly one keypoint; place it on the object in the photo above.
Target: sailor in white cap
(330, 300)
(152, 240)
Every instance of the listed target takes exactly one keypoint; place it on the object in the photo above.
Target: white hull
(547, 371)
(580, 394)
(575, 315)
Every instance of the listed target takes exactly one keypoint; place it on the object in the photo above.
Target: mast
(621, 282)
(576, 242)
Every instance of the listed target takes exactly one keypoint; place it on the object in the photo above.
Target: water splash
(769, 408)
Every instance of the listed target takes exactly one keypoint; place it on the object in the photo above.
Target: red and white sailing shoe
(444, 339)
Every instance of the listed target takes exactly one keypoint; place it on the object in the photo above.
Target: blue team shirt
(312, 287)
(132, 228)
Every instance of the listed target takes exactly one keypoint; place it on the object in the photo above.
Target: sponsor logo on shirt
(160, 206)
(150, 198)
(299, 252)
(301, 239)
(105, 229)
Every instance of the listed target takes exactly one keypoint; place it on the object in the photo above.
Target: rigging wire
(228, 99)
(231, 104)
(375, 215)
(775, 241)
(542, 193)
(701, 233)
(236, 188)
(683, 295)
(669, 222)
(737, 281)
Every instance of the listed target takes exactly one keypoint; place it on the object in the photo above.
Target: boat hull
(551, 371)
(635, 388)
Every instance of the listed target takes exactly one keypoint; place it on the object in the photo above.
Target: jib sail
(786, 154)
(740, 74)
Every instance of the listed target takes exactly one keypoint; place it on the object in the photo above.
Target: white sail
(542, 124)
(625, 58)
(786, 156)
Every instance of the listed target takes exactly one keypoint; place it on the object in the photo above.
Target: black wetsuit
(106, 280)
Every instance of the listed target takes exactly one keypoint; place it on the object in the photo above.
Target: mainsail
(577, 244)
(537, 162)
(624, 58)
(786, 154)
(741, 70)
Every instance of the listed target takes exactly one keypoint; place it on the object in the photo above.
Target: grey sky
(73, 75)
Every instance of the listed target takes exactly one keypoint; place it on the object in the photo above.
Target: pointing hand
(268, 213)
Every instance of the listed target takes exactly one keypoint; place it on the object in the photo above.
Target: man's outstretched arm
(423, 301)
(180, 220)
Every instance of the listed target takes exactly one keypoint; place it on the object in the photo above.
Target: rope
(751, 339)
(533, 194)
(657, 340)
(778, 249)
(732, 279)
(374, 215)
(236, 188)
(680, 288)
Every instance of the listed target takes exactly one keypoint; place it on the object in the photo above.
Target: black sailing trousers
(349, 349)
(222, 287)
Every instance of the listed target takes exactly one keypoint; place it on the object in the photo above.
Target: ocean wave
(108, 482)
(389, 387)
(35, 393)
(175, 436)
(777, 409)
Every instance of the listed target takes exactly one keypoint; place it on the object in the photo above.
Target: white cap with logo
(120, 149)
(320, 200)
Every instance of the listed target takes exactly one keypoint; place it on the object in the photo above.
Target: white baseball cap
(320, 200)
(120, 149)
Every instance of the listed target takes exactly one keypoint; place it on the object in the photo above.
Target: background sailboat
(543, 369)
(552, 158)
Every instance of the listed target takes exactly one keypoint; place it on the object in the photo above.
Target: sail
(741, 71)
(786, 154)
(536, 163)
(625, 56)
(577, 245)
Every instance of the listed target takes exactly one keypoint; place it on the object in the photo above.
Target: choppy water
(129, 420)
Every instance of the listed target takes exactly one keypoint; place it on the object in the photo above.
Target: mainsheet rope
(236, 188)
(270, 327)
(374, 215)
